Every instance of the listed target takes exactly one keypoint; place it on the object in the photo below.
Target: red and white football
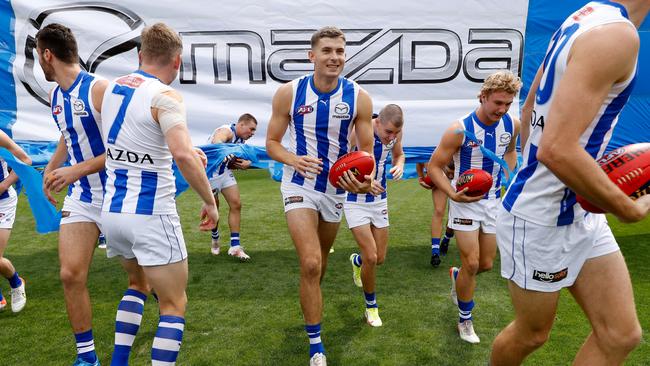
(629, 168)
(477, 181)
(360, 163)
(427, 180)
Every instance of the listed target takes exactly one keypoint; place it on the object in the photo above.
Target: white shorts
(549, 258)
(76, 211)
(8, 212)
(152, 239)
(223, 181)
(472, 216)
(329, 206)
(362, 213)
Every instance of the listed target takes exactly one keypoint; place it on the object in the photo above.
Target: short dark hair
(60, 41)
(326, 32)
(247, 117)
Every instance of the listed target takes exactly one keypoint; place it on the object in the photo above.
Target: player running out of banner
(367, 214)
(320, 110)
(76, 104)
(548, 242)
(8, 203)
(144, 118)
(474, 218)
(438, 246)
(224, 181)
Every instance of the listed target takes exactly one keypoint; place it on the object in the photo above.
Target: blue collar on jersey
(145, 74)
(76, 81)
(321, 94)
(234, 132)
(617, 5)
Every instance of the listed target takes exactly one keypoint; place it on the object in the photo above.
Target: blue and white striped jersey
(381, 153)
(320, 127)
(4, 173)
(536, 194)
(80, 124)
(495, 137)
(138, 160)
(223, 168)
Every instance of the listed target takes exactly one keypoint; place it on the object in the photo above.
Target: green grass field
(249, 314)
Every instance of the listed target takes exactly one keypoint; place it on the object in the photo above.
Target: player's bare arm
(19, 153)
(306, 166)
(528, 107)
(365, 138)
(599, 59)
(510, 156)
(171, 117)
(398, 158)
(450, 142)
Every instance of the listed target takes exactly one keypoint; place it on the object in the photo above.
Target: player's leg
(534, 316)
(488, 250)
(215, 247)
(7, 269)
(129, 311)
(76, 246)
(439, 206)
(604, 291)
(380, 234)
(169, 282)
(368, 260)
(464, 279)
(233, 198)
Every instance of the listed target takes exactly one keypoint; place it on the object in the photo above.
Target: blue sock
(456, 273)
(86, 346)
(167, 342)
(357, 260)
(14, 281)
(371, 300)
(1, 297)
(127, 323)
(465, 310)
(234, 239)
(215, 234)
(435, 246)
(315, 344)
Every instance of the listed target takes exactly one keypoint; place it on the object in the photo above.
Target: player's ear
(311, 56)
(177, 62)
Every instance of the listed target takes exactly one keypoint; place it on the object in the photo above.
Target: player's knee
(381, 258)
(537, 338)
(438, 214)
(471, 265)
(310, 267)
(72, 277)
(620, 338)
(485, 265)
(235, 205)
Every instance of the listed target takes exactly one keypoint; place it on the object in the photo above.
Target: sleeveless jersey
(138, 160)
(536, 194)
(80, 125)
(4, 173)
(495, 137)
(381, 153)
(320, 127)
(223, 168)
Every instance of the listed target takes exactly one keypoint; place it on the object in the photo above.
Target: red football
(477, 181)
(427, 180)
(629, 168)
(360, 163)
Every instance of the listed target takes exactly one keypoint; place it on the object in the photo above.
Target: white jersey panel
(223, 168)
(536, 194)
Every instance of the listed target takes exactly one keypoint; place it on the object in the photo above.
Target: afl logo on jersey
(304, 109)
(473, 144)
(79, 108)
(56, 110)
(341, 111)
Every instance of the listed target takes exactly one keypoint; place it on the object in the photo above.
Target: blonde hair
(326, 32)
(160, 44)
(500, 81)
(392, 113)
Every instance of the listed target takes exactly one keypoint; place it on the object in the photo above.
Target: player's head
(389, 123)
(327, 52)
(55, 44)
(497, 93)
(246, 126)
(161, 48)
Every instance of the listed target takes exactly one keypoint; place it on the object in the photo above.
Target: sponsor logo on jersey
(293, 199)
(304, 109)
(130, 80)
(459, 221)
(79, 108)
(505, 138)
(57, 109)
(341, 111)
(339, 206)
(130, 156)
(549, 277)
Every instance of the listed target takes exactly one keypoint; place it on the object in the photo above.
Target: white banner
(428, 57)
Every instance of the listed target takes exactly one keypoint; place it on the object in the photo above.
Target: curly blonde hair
(500, 81)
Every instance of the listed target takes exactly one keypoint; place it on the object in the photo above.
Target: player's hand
(240, 164)
(642, 209)
(397, 171)
(228, 159)
(307, 166)
(60, 178)
(348, 182)
(423, 184)
(201, 156)
(461, 196)
(376, 189)
(48, 194)
(209, 217)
